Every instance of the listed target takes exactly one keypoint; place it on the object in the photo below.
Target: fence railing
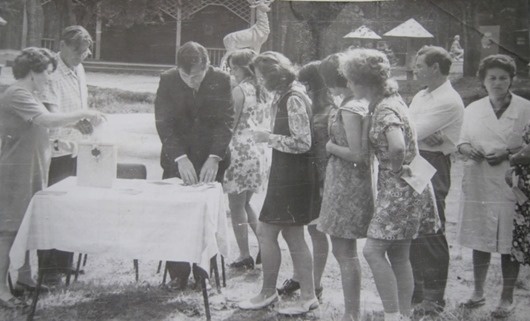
(215, 55)
(48, 43)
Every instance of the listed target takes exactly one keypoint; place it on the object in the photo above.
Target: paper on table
(421, 172)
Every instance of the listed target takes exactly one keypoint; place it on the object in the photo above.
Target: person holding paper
(347, 204)
(400, 211)
(286, 208)
(437, 113)
(25, 154)
(249, 167)
(194, 117)
(492, 130)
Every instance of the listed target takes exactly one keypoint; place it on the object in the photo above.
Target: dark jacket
(196, 124)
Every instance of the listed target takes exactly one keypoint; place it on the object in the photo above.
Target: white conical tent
(2, 21)
(409, 29)
(363, 32)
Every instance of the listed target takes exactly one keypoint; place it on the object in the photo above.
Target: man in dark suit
(194, 116)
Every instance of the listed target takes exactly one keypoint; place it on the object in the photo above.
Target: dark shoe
(318, 293)
(247, 263)
(288, 287)
(21, 288)
(13, 303)
(472, 304)
(258, 258)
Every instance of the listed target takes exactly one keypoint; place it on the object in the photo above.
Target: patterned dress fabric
(521, 223)
(249, 167)
(400, 212)
(347, 204)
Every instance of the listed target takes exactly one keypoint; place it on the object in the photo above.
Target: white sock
(394, 316)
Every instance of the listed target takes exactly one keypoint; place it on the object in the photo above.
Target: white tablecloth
(152, 220)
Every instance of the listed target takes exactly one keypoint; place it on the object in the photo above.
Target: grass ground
(107, 291)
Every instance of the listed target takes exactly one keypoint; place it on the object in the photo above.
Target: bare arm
(353, 128)
(396, 147)
(51, 120)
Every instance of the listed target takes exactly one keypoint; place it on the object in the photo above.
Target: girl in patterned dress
(347, 204)
(399, 209)
(248, 170)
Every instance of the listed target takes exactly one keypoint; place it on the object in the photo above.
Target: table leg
(215, 268)
(159, 267)
(78, 266)
(84, 259)
(36, 295)
(10, 283)
(165, 274)
(223, 270)
(68, 277)
(205, 295)
(135, 263)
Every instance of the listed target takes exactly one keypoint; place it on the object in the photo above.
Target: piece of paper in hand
(520, 197)
(421, 173)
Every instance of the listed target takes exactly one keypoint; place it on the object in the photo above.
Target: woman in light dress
(248, 170)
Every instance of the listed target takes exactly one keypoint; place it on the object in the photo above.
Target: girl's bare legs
(345, 251)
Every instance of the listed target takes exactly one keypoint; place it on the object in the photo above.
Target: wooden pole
(98, 33)
(24, 42)
(179, 31)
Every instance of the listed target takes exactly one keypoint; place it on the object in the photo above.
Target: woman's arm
(239, 100)
(396, 147)
(51, 120)
(299, 126)
(353, 128)
(522, 157)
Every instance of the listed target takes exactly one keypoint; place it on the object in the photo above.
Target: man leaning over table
(66, 92)
(194, 115)
(437, 113)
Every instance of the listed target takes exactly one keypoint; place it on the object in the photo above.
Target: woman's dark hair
(277, 70)
(242, 58)
(368, 67)
(190, 54)
(33, 59)
(503, 62)
(309, 75)
(329, 69)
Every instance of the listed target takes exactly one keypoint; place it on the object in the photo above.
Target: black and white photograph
(267, 160)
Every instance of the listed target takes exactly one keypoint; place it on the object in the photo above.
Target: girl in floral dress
(248, 170)
(400, 211)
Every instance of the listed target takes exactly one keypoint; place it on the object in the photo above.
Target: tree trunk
(35, 23)
(472, 38)
(66, 17)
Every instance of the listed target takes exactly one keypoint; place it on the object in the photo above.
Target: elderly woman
(347, 206)
(322, 103)
(400, 211)
(25, 152)
(249, 168)
(287, 204)
(492, 129)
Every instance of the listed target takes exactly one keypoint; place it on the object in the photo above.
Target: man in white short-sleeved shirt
(437, 113)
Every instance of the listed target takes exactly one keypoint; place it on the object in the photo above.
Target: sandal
(472, 304)
(13, 303)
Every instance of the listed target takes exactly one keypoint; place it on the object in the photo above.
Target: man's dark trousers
(55, 261)
(429, 253)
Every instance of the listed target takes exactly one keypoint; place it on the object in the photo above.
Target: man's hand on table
(209, 170)
(187, 171)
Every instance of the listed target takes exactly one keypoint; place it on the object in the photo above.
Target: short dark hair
(435, 54)
(504, 62)
(75, 36)
(33, 59)
(329, 69)
(321, 96)
(277, 70)
(191, 54)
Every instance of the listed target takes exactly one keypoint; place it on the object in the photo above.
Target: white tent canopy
(2, 21)
(409, 29)
(363, 32)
